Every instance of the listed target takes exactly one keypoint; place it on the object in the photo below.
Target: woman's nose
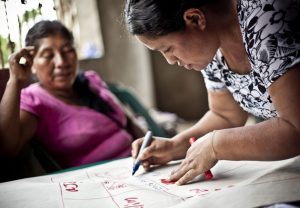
(59, 59)
(171, 59)
(174, 61)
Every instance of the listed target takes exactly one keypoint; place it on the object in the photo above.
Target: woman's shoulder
(271, 35)
(32, 90)
(34, 99)
(270, 25)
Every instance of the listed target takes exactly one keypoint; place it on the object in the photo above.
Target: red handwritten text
(71, 186)
(132, 202)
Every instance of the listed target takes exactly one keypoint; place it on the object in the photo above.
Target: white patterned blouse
(271, 35)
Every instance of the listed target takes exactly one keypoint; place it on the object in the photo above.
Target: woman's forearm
(274, 139)
(209, 122)
(10, 117)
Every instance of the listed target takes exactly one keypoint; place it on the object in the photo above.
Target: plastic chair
(128, 98)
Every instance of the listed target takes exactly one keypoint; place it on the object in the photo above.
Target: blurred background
(104, 45)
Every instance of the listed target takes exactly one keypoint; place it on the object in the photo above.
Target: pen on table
(207, 174)
(146, 142)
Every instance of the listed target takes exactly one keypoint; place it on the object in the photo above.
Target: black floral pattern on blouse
(271, 35)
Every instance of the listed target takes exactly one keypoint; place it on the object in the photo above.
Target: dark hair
(45, 29)
(158, 17)
(81, 86)
(90, 99)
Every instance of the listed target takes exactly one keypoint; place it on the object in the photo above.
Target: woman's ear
(195, 17)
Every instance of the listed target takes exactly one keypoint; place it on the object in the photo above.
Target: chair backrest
(128, 98)
(4, 76)
(48, 163)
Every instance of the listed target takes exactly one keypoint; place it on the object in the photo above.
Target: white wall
(125, 61)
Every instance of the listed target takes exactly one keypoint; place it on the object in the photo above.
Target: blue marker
(146, 142)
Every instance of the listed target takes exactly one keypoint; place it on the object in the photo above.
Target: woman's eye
(167, 50)
(47, 55)
(68, 49)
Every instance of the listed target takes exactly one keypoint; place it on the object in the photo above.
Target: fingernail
(146, 164)
(22, 61)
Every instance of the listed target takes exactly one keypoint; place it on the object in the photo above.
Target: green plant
(31, 15)
(7, 47)
(4, 52)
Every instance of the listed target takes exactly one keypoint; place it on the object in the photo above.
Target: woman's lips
(63, 75)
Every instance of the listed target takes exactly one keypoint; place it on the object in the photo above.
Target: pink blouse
(76, 135)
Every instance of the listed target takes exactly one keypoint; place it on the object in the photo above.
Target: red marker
(207, 174)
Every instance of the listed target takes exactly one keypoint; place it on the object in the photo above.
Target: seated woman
(72, 115)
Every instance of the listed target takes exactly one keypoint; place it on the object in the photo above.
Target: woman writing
(249, 54)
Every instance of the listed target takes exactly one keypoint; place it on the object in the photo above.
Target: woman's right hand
(160, 152)
(20, 64)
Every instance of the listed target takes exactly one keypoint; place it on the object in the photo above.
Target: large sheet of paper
(235, 184)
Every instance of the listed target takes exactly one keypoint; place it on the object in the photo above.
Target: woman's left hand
(200, 157)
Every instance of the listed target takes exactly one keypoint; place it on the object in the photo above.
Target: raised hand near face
(20, 64)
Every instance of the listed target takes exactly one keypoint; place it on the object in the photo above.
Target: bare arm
(16, 127)
(219, 116)
(274, 139)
